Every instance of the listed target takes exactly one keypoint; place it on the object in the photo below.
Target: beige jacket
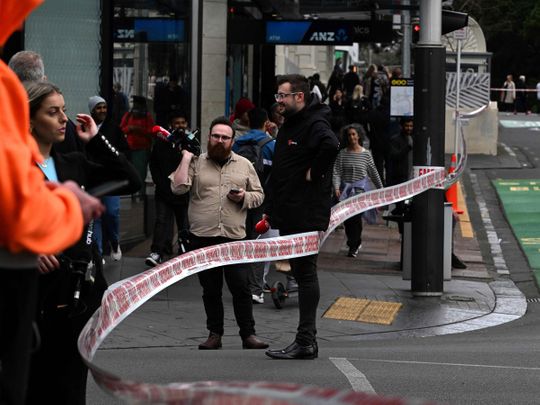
(210, 212)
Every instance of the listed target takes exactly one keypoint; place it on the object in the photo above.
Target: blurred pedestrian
(28, 66)
(168, 98)
(276, 118)
(170, 208)
(357, 107)
(137, 126)
(107, 228)
(521, 96)
(353, 170)
(120, 104)
(508, 94)
(36, 217)
(336, 79)
(350, 80)
(258, 147)
(338, 106)
(223, 187)
(299, 194)
(240, 118)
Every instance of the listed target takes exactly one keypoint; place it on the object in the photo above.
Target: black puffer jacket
(305, 141)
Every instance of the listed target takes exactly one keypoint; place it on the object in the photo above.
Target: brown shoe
(251, 342)
(212, 343)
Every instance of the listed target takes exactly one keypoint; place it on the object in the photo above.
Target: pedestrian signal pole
(428, 152)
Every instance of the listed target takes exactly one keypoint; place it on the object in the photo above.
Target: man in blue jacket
(299, 193)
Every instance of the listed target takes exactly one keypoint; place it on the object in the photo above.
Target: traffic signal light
(451, 21)
(415, 33)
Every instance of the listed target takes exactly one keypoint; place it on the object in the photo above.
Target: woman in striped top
(353, 166)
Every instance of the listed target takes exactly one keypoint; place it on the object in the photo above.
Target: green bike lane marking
(521, 203)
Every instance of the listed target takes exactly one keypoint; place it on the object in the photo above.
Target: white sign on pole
(461, 33)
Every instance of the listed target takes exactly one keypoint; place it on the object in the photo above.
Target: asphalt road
(498, 365)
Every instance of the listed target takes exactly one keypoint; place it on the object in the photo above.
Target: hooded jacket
(253, 136)
(35, 217)
(305, 141)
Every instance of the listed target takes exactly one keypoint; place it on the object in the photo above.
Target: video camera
(180, 138)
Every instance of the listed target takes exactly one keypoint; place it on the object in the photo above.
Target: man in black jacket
(299, 195)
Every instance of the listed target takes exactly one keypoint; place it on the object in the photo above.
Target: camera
(185, 140)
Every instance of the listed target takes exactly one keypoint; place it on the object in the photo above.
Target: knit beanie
(243, 105)
(93, 101)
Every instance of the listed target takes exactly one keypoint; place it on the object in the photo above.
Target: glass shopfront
(151, 54)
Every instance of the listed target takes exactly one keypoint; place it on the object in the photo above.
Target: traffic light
(415, 33)
(451, 21)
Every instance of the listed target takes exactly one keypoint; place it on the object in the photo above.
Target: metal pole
(407, 40)
(428, 150)
(458, 90)
(195, 60)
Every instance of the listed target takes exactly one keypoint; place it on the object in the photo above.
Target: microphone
(161, 132)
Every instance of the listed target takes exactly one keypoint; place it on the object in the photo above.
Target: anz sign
(326, 32)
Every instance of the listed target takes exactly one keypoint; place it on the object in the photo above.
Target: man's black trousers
(236, 277)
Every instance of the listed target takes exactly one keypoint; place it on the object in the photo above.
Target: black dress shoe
(295, 351)
(212, 343)
(251, 342)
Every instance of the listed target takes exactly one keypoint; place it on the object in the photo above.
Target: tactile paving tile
(346, 308)
(363, 310)
(380, 312)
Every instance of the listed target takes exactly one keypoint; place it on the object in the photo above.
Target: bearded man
(223, 187)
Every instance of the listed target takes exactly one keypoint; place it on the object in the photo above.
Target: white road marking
(358, 380)
(431, 363)
(493, 238)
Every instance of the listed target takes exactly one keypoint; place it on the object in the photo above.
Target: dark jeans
(353, 230)
(166, 214)
(212, 283)
(304, 270)
(18, 293)
(256, 273)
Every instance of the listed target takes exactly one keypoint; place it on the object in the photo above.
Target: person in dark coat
(107, 227)
(299, 195)
(69, 287)
(400, 154)
(350, 80)
(164, 160)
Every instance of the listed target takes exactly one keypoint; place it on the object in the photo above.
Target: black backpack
(252, 151)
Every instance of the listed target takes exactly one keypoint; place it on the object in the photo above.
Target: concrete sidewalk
(471, 300)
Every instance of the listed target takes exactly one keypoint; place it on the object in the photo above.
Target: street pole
(428, 150)
(458, 89)
(407, 40)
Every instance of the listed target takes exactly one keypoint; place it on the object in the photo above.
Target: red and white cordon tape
(125, 296)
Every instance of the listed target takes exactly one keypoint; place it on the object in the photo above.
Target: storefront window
(151, 55)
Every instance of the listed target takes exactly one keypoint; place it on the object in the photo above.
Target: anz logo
(329, 36)
(125, 34)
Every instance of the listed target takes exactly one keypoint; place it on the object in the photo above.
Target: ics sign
(323, 32)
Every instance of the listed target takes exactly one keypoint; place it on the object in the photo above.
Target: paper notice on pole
(402, 98)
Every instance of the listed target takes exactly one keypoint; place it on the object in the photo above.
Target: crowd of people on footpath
(288, 166)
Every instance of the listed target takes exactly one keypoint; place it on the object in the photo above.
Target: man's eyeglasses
(219, 137)
(281, 96)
